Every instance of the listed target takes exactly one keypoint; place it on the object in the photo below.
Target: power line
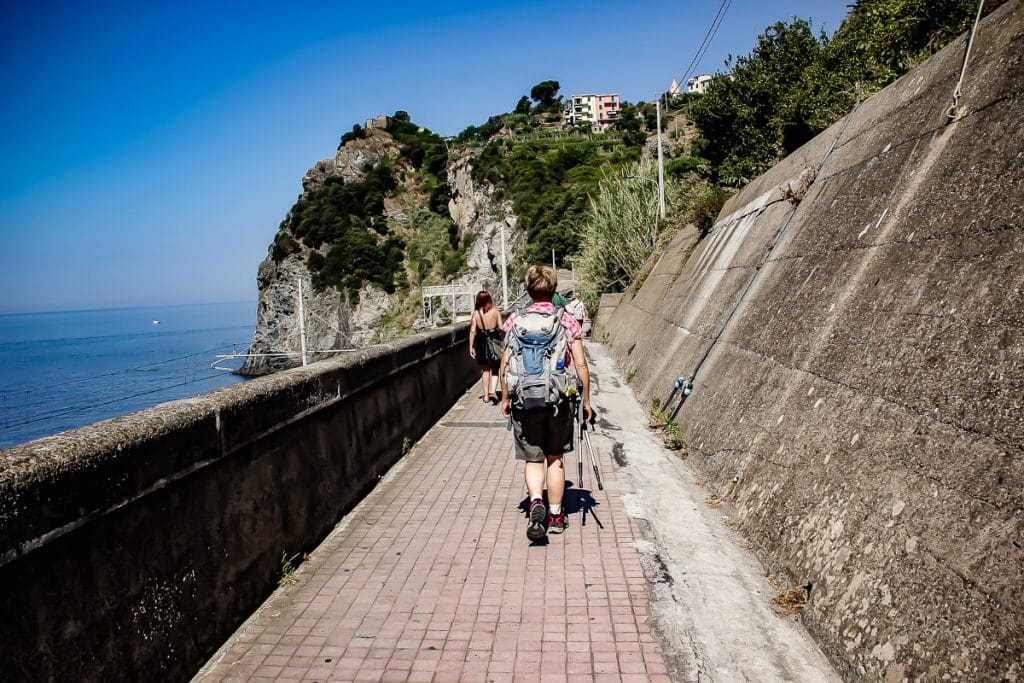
(706, 43)
(61, 412)
(116, 372)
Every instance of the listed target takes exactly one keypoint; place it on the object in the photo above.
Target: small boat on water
(156, 322)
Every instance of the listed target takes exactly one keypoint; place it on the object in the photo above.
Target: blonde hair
(541, 282)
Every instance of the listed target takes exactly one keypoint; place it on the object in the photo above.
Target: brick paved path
(431, 578)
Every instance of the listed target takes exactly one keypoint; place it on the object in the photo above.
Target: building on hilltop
(698, 84)
(600, 111)
(381, 121)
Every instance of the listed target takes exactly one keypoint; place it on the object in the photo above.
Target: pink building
(600, 111)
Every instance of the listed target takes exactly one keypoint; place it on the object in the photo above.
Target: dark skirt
(484, 356)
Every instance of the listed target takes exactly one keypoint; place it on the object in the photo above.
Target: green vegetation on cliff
(576, 192)
(549, 173)
(349, 241)
(794, 84)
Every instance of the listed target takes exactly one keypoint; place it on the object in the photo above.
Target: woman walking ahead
(485, 337)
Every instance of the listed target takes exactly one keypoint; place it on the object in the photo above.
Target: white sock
(554, 509)
(533, 498)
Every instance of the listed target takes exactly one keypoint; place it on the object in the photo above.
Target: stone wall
(862, 414)
(131, 548)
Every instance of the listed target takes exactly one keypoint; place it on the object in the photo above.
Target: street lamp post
(661, 163)
(504, 270)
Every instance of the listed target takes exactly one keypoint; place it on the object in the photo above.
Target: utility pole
(302, 326)
(661, 163)
(553, 267)
(504, 270)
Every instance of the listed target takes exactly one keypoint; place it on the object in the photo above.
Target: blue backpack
(536, 372)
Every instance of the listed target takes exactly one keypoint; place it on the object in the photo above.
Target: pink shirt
(572, 328)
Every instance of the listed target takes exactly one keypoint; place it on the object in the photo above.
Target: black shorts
(539, 433)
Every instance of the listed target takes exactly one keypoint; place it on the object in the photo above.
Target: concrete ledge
(130, 548)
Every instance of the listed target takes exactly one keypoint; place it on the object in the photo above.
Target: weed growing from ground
(287, 570)
(658, 417)
(789, 602)
(673, 437)
(671, 434)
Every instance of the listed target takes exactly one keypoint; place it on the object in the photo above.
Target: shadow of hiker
(579, 500)
(576, 500)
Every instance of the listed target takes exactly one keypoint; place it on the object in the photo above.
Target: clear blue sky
(150, 150)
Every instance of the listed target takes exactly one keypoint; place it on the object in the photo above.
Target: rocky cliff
(857, 405)
(475, 210)
(335, 320)
(331, 321)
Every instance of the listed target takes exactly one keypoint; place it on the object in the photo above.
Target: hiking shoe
(538, 515)
(557, 523)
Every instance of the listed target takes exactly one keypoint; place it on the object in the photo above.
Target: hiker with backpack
(543, 342)
(578, 310)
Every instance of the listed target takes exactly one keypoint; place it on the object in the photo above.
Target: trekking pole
(593, 457)
(579, 450)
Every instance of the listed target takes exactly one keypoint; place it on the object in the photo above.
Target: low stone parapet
(129, 549)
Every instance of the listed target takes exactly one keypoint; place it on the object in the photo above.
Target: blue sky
(150, 150)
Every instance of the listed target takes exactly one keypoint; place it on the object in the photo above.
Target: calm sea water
(68, 369)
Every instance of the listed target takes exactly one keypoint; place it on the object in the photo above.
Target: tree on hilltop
(523, 106)
(754, 118)
(544, 93)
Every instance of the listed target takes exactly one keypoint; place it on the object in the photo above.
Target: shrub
(433, 248)
(356, 133)
(315, 261)
(621, 230)
(680, 166)
(793, 84)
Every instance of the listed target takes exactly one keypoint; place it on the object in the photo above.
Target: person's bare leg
(485, 378)
(556, 491)
(536, 529)
(535, 479)
(556, 480)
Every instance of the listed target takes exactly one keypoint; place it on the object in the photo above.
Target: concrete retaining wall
(862, 416)
(605, 309)
(131, 548)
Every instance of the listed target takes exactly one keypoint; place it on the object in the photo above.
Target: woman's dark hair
(482, 299)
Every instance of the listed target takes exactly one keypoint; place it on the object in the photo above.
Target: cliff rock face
(474, 209)
(861, 417)
(331, 323)
(351, 158)
(277, 329)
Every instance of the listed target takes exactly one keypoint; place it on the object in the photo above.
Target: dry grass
(790, 602)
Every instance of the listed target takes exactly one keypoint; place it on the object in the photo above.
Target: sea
(67, 369)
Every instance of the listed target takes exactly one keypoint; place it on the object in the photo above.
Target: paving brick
(402, 590)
